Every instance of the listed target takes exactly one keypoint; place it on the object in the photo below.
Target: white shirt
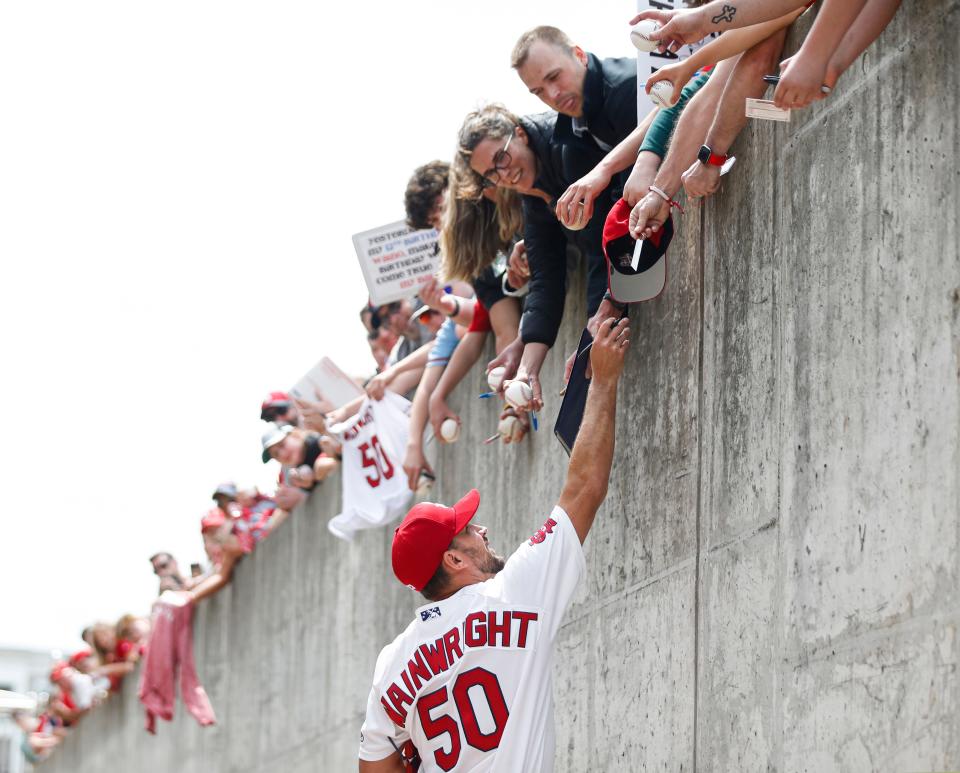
(375, 487)
(470, 680)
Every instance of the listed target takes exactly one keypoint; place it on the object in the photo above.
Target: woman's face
(506, 161)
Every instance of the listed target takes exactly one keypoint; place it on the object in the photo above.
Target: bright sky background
(179, 183)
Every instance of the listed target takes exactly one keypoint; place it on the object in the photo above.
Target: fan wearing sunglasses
(524, 155)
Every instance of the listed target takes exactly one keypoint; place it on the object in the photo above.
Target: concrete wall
(773, 582)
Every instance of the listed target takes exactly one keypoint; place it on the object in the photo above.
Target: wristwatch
(707, 156)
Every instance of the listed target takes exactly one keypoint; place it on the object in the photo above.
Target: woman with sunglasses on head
(523, 155)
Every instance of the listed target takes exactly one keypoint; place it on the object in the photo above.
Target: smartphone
(771, 79)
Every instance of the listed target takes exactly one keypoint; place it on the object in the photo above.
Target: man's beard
(492, 564)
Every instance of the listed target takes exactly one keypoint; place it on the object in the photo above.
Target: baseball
(450, 430)
(661, 94)
(577, 224)
(508, 427)
(519, 394)
(640, 35)
(495, 378)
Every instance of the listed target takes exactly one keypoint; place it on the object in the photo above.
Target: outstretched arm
(589, 472)
(587, 188)
(687, 26)
(873, 20)
(215, 581)
(803, 74)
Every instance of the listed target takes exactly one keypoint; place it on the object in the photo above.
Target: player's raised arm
(589, 470)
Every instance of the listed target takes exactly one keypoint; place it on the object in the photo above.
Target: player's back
(469, 681)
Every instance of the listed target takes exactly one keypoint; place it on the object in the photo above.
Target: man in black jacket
(525, 155)
(597, 104)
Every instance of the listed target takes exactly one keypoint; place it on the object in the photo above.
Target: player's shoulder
(390, 652)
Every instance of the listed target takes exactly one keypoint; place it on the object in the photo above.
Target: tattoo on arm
(726, 15)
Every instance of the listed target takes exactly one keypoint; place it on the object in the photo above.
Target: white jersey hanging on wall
(375, 489)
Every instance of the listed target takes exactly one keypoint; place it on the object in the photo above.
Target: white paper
(766, 110)
(396, 260)
(327, 382)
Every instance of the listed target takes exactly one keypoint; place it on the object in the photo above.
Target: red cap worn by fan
(424, 536)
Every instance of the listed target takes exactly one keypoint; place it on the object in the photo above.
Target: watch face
(704, 155)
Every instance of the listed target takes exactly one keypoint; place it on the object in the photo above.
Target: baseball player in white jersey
(469, 682)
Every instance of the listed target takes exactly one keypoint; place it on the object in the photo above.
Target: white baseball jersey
(470, 681)
(375, 488)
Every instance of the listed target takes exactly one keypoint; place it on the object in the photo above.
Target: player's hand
(585, 190)
(509, 360)
(648, 216)
(378, 384)
(518, 270)
(801, 79)
(312, 415)
(677, 28)
(288, 497)
(609, 350)
(701, 179)
(414, 462)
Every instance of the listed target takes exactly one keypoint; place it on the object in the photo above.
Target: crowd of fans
(520, 195)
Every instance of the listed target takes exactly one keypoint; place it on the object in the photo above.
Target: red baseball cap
(274, 400)
(424, 536)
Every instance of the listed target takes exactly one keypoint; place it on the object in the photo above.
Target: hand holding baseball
(679, 74)
(575, 206)
(609, 350)
(526, 395)
(439, 413)
(508, 360)
(677, 28)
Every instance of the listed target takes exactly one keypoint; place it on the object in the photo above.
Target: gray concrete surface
(773, 582)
